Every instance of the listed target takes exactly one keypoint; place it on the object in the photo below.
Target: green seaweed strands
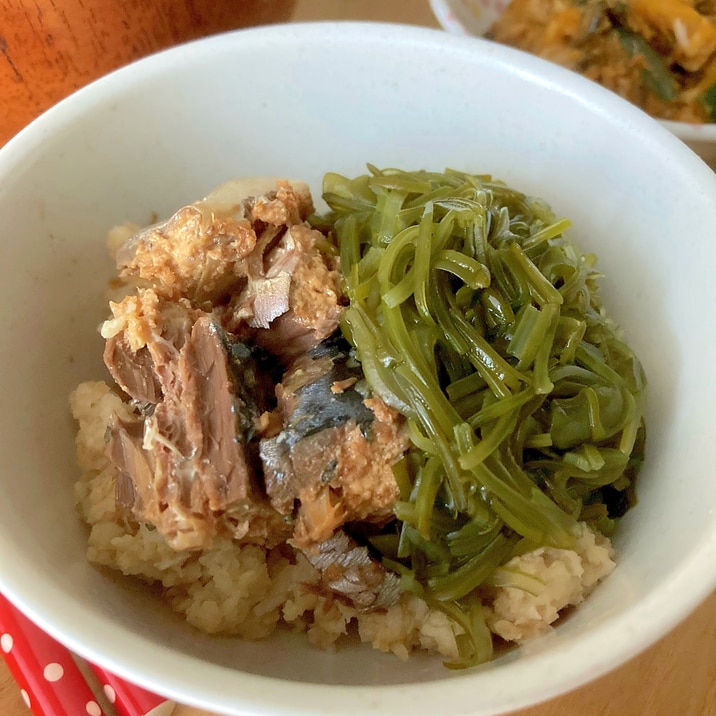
(475, 316)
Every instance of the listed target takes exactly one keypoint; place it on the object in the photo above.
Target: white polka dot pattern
(110, 693)
(6, 643)
(26, 698)
(53, 672)
(93, 708)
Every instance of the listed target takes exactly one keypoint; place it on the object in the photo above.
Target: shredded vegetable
(474, 315)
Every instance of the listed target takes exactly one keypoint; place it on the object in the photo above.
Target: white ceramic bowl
(475, 17)
(298, 101)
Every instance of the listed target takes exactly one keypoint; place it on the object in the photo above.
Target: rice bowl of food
(658, 56)
(353, 412)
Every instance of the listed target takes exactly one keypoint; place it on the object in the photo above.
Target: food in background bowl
(660, 56)
(415, 421)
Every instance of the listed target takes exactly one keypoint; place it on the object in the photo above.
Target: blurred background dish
(477, 17)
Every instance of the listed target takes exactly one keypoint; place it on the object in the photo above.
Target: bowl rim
(691, 131)
(213, 686)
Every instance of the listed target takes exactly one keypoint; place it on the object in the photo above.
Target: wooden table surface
(677, 676)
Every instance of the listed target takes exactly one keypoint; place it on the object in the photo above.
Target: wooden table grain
(676, 676)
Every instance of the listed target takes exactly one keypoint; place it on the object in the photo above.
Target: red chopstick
(130, 699)
(51, 682)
